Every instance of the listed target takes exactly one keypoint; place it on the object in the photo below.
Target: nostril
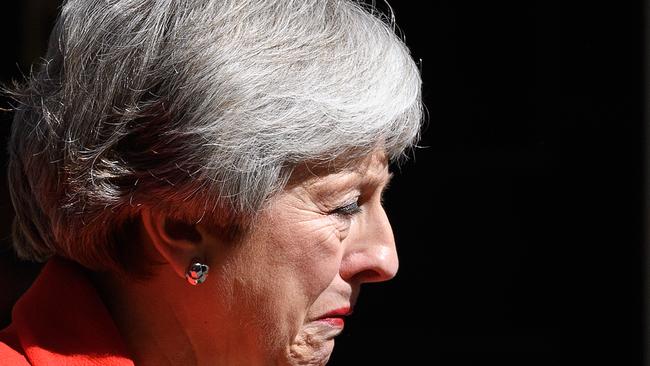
(372, 264)
(368, 276)
(371, 276)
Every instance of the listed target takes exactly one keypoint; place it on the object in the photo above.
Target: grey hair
(196, 108)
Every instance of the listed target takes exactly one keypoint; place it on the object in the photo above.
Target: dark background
(520, 220)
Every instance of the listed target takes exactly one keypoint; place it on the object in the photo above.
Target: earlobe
(178, 243)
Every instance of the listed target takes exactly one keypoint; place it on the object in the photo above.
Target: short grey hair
(196, 108)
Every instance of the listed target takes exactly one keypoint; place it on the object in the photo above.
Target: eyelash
(348, 210)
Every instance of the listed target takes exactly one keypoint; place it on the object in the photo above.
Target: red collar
(61, 320)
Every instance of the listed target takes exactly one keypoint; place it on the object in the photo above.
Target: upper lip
(337, 313)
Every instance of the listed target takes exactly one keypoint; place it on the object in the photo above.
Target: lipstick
(336, 318)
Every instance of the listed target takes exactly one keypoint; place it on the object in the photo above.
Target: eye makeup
(349, 209)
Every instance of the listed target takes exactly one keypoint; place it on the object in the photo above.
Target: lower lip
(335, 322)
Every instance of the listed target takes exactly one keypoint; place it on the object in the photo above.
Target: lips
(336, 318)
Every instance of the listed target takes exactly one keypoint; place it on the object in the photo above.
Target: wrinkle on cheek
(313, 248)
(308, 232)
(302, 241)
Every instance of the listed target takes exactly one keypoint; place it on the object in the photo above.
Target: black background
(519, 221)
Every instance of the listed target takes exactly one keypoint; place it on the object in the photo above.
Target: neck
(166, 321)
(152, 325)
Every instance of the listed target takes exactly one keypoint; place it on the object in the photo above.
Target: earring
(197, 272)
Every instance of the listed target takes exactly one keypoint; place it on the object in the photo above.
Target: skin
(264, 300)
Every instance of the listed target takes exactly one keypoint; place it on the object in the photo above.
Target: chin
(313, 345)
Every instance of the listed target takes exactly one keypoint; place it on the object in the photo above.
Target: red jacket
(61, 321)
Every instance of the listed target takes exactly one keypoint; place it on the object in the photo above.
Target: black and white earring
(197, 272)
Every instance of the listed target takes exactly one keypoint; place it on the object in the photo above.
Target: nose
(370, 254)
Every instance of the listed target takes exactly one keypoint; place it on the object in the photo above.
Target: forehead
(371, 169)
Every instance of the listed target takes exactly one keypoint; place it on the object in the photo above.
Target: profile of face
(280, 296)
(138, 142)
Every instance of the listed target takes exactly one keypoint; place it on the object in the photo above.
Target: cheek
(294, 261)
(319, 252)
(300, 262)
(306, 257)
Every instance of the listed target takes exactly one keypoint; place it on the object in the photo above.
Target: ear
(177, 242)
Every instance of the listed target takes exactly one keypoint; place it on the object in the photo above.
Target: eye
(348, 210)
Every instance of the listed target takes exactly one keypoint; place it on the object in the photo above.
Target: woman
(162, 141)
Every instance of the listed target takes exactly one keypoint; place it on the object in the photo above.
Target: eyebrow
(388, 180)
(386, 183)
(382, 181)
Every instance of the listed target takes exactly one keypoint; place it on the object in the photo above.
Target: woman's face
(286, 288)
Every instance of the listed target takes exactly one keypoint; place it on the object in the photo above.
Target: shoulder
(61, 320)
(11, 352)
